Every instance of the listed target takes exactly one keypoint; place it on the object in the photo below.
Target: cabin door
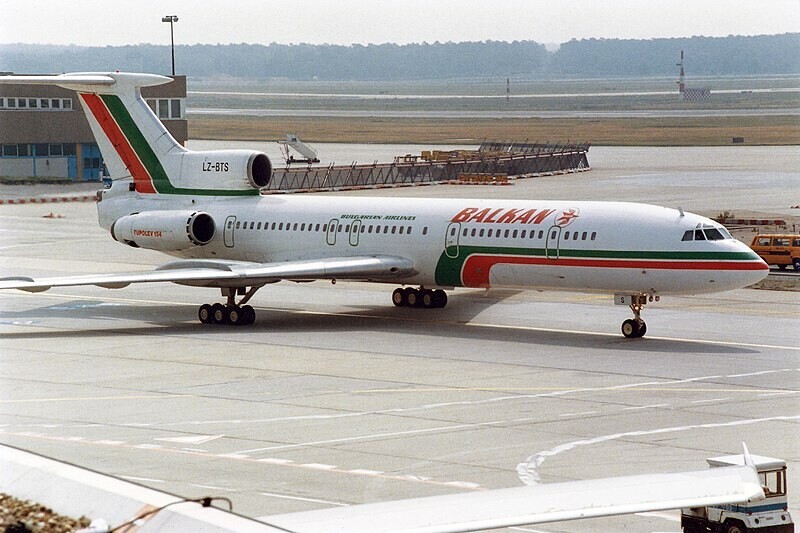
(451, 240)
(552, 243)
(227, 233)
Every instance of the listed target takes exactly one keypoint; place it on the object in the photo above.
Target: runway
(336, 397)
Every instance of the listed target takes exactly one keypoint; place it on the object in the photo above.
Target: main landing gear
(232, 313)
(411, 297)
(635, 327)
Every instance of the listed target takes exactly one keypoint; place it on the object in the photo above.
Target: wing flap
(535, 504)
(214, 273)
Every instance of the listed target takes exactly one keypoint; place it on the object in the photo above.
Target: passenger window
(514, 234)
(553, 234)
(583, 236)
(324, 228)
(464, 233)
(238, 224)
(403, 227)
(385, 230)
(566, 236)
(408, 231)
(259, 226)
(339, 229)
(575, 236)
(363, 229)
(453, 232)
(425, 230)
(280, 226)
(347, 228)
(474, 231)
(481, 233)
(273, 226)
(489, 233)
(541, 233)
(522, 235)
(394, 228)
(506, 234)
(302, 227)
(230, 224)
(252, 225)
(594, 235)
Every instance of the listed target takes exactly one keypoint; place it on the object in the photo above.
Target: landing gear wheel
(412, 297)
(633, 329)
(427, 299)
(399, 297)
(220, 313)
(249, 315)
(629, 328)
(235, 316)
(204, 314)
(439, 298)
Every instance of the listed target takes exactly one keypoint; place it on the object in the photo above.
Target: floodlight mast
(171, 19)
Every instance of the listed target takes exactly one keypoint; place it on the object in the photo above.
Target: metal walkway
(515, 160)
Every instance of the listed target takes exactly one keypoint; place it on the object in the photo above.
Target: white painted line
(212, 487)
(148, 446)
(711, 400)
(233, 455)
(784, 393)
(580, 414)
(273, 461)
(318, 466)
(143, 479)
(195, 439)
(463, 484)
(298, 498)
(761, 373)
(645, 407)
(366, 472)
(110, 442)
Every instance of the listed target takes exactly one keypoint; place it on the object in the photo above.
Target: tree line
(732, 55)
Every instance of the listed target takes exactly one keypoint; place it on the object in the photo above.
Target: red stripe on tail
(141, 178)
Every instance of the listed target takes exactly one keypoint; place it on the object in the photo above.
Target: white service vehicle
(770, 515)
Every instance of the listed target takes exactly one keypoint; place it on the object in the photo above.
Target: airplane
(24, 474)
(205, 207)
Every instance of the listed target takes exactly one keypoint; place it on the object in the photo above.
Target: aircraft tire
(412, 297)
(235, 316)
(204, 314)
(427, 300)
(399, 297)
(220, 313)
(439, 298)
(249, 315)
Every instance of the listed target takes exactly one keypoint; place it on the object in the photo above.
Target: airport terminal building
(44, 133)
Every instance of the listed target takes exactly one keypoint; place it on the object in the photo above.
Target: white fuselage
(611, 247)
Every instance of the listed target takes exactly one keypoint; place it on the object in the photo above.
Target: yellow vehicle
(778, 249)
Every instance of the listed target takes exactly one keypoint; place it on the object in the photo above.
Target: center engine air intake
(168, 231)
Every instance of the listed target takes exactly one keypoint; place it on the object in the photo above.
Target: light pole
(171, 19)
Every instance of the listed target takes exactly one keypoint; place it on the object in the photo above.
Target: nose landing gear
(636, 327)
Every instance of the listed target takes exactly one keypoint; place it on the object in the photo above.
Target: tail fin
(136, 145)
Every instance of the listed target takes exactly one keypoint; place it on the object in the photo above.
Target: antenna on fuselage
(680, 210)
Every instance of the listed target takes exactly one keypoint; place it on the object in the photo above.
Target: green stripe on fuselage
(150, 160)
(448, 269)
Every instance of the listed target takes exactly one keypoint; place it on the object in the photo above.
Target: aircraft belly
(597, 279)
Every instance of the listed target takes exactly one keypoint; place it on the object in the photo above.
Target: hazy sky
(116, 22)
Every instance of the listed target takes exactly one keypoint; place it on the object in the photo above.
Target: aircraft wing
(216, 273)
(534, 504)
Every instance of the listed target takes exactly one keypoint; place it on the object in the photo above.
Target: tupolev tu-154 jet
(205, 207)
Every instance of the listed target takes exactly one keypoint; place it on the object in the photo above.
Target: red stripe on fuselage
(475, 272)
(141, 178)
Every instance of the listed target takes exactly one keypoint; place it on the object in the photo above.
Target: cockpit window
(705, 232)
(713, 234)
